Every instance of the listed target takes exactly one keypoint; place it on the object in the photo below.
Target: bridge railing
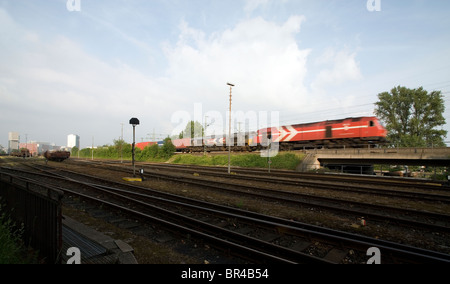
(444, 151)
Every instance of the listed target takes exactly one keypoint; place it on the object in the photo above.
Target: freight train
(348, 132)
(24, 152)
(57, 156)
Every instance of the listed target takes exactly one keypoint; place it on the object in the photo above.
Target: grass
(286, 161)
(12, 249)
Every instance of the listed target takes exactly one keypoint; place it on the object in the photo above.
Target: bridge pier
(309, 163)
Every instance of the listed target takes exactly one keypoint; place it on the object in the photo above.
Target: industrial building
(13, 141)
(35, 147)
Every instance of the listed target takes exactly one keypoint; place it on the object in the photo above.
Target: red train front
(355, 132)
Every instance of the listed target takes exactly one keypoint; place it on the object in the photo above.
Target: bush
(288, 161)
(12, 249)
(150, 153)
(167, 150)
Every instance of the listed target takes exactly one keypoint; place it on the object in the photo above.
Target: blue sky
(86, 72)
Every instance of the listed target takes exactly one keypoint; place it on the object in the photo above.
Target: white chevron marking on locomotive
(291, 133)
(283, 133)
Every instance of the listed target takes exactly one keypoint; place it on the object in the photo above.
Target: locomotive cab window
(371, 123)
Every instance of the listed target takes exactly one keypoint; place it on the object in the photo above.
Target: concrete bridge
(439, 157)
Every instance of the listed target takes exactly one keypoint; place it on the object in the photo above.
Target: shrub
(12, 249)
(288, 161)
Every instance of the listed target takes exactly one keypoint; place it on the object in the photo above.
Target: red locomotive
(354, 132)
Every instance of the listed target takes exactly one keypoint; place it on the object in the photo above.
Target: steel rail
(295, 179)
(397, 181)
(290, 226)
(223, 238)
(345, 206)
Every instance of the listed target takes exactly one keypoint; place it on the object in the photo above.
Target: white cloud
(252, 5)
(53, 86)
(340, 67)
(262, 58)
(265, 62)
(62, 83)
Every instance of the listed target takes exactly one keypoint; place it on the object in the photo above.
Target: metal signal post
(229, 133)
(134, 122)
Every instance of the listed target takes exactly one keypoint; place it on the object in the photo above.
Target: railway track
(308, 244)
(426, 186)
(419, 190)
(422, 190)
(139, 206)
(435, 222)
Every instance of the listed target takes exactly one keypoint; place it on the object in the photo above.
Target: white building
(13, 141)
(73, 141)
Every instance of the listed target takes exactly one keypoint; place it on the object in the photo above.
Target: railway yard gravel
(185, 251)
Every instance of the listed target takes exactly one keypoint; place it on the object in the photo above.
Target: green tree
(86, 152)
(412, 117)
(153, 150)
(167, 149)
(74, 151)
(120, 146)
(193, 129)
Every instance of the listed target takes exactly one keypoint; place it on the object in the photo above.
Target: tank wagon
(57, 156)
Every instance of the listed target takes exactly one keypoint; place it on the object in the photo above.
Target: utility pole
(26, 145)
(270, 145)
(240, 140)
(229, 133)
(204, 135)
(121, 145)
